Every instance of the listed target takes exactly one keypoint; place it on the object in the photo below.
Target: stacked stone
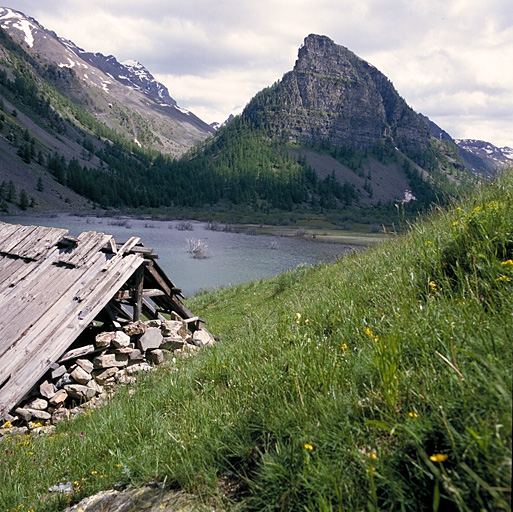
(115, 357)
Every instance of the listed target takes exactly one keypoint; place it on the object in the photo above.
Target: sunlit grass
(380, 382)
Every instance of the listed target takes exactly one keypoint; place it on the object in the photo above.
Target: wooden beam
(138, 293)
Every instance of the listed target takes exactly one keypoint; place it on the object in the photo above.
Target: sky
(451, 60)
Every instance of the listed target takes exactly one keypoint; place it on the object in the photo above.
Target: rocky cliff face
(332, 94)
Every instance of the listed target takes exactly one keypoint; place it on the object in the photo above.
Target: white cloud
(450, 59)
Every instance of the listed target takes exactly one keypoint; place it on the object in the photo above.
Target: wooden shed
(53, 286)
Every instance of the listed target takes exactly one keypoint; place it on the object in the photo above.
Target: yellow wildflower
(373, 456)
(344, 346)
(7, 424)
(413, 414)
(507, 263)
(376, 338)
(456, 223)
(433, 286)
(308, 446)
(368, 331)
(438, 457)
(298, 317)
(94, 472)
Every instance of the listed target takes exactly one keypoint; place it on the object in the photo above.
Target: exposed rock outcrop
(333, 95)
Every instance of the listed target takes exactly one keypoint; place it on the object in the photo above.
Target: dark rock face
(331, 94)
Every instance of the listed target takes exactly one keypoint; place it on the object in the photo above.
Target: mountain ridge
(334, 94)
(332, 134)
(126, 98)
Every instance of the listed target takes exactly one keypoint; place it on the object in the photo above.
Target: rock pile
(86, 373)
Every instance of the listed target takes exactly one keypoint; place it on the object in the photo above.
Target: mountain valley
(80, 130)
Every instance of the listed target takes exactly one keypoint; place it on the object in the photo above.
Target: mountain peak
(320, 54)
(131, 73)
(17, 21)
(333, 95)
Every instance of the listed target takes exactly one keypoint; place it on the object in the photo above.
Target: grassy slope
(380, 382)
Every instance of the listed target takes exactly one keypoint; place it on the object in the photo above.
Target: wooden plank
(7, 230)
(79, 352)
(38, 242)
(138, 293)
(8, 267)
(111, 246)
(63, 325)
(147, 251)
(129, 294)
(88, 243)
(153, 293)
(9, 245)
(128, 245)
(32, 300)
(47, 239)
(32, 272)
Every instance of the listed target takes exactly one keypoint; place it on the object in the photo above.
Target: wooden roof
(53, 286)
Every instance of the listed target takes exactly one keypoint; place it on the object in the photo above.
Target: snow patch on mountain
(16, 20)
(182, 110)
(485, 149)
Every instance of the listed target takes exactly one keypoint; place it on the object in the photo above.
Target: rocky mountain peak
(333, 95)
(122, 95)
(129, 73)
(319, 54)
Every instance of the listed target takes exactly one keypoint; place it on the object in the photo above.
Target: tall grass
(379, 382)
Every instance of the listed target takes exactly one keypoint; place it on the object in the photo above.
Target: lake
(233, 257)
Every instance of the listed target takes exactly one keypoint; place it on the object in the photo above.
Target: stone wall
(85, 374)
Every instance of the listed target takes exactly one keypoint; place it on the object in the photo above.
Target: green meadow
(380, 382)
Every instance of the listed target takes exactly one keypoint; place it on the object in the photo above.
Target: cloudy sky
(452, 60)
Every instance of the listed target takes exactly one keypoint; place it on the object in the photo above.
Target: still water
(233, 257)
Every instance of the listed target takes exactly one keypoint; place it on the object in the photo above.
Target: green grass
(380, 382)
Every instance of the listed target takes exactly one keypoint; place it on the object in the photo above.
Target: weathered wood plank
(19, 341)
(17, 236)
(36, 241)
(129, 294)
(129, 245)
(33, 299)
(7, 231)
(78, 352)
(31, 273)
(138, 293)
(88, 243)
(8, 267)
(47, 238)
(63, 326)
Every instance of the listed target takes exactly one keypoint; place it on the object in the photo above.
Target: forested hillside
(289, 151)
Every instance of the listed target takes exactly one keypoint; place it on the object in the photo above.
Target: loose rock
(121, 340)
(80, 375)
(151, 339)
